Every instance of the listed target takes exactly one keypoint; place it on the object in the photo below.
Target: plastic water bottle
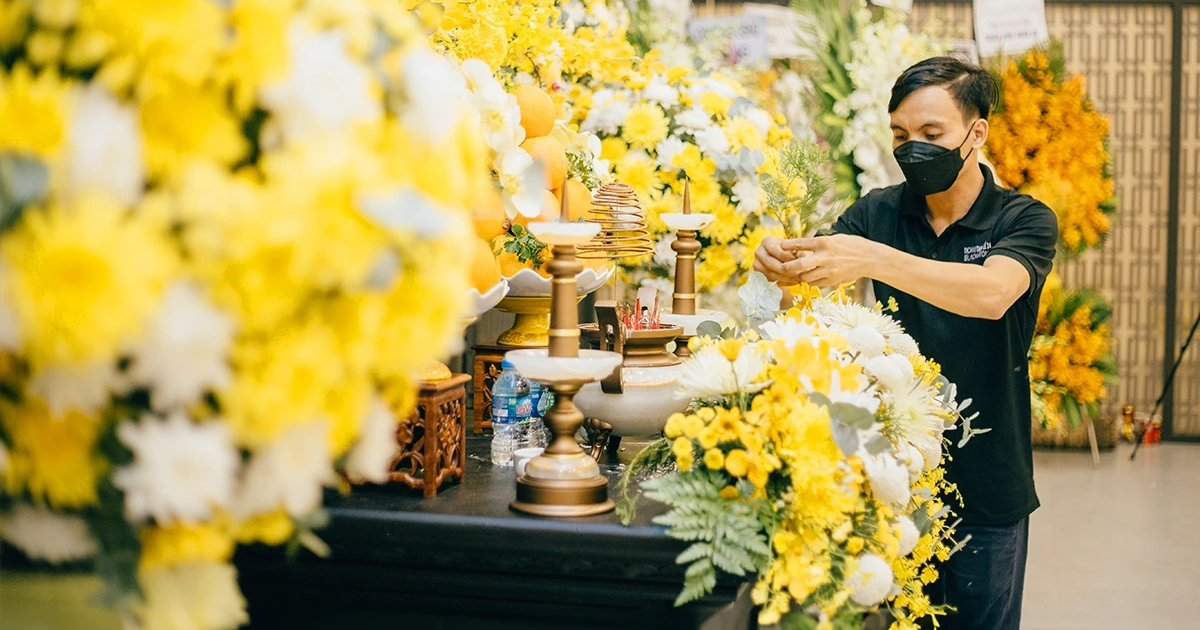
(542, 397)
(511, 408)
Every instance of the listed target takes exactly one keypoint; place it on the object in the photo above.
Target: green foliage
(524, 245)
(798, 161)
(23, 182)
(581, 169)
(728, 535)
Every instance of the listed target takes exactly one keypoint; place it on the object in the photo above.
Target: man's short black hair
(972, 88)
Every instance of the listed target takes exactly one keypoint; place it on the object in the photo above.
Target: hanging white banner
(1009, 27)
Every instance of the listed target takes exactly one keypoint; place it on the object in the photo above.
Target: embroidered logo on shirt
(975, 252)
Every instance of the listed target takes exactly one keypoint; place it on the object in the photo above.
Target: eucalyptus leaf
(878, 444)
(23, 181)
(709, 329)
(852, 415)
(846, 438)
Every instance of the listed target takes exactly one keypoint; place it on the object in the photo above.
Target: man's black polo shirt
(986, 359)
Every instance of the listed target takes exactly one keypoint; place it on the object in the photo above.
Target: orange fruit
(579, 199)
(485, 269)
(537, 110)
(490, 220)
(553, 156)
(510, 265)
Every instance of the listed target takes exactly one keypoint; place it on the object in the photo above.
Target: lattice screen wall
(1125, 51)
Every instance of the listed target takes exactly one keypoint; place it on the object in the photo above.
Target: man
(965, 260)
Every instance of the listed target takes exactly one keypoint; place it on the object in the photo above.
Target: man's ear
(980, 133)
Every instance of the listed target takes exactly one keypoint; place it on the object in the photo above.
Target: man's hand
(824, 261)
(770, 259)
(829, 261)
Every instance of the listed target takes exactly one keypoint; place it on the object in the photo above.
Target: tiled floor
(1117, 547)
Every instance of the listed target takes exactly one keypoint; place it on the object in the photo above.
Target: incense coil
(623, 229)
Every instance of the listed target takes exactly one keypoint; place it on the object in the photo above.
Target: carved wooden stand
(433, 443)
(487, 370)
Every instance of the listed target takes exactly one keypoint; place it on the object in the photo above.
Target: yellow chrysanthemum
(613, 148)
(182, 123)
(33, 111)
(728, 223)
(52, 459)
(743, 133)
(83, 279)
(645, 126)
(637, 169)
(274, 528)
(717, 265)
(166, 41)
(714, 103)
(165, 546)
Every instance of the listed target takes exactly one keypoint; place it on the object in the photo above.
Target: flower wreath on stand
(1070, 362)
(1048, 141)
(228, 243)
(810, 460)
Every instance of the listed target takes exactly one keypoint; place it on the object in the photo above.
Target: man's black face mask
(930, 168)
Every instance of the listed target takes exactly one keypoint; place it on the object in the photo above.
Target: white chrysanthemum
(666, 152)
(105, 152)
(761, 119)
(662, 285)
(84, 387)
(609, 111)
(843, 316)
(181, 470)
(866, 340)
(694, 119)
(660, 92)
(46, 535)
(746, 194)
(914, 416)
(712, 141)
(893, 371)
(788, 330)
(522, 181)
(871, 581)
(376, 446)
(199, 595)
(709, 374)
(663, 254)
(909, 535)
(904, 344)
(434, 88)
(912, 458)
(288, 473)
(184, 351)
(409, 211)
(324, 88)
(889, 480)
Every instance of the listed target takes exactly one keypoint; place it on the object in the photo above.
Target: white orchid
(522, 181)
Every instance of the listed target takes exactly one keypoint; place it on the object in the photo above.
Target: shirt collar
(982, 214)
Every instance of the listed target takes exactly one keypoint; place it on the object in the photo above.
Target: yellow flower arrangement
(1070, 360)
(222, 266)
(801, 460)
(1048, 141)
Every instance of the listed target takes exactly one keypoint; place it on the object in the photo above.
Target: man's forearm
(964, 289)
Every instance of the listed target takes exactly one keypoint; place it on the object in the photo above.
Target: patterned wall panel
(1187, 381)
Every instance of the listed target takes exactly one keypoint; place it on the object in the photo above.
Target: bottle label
(511, 409)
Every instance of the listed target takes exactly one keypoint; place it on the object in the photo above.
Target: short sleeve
(1031, 240)
(854, 220)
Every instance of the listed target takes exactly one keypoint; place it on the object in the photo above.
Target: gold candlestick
(683, 301)
(564, 480)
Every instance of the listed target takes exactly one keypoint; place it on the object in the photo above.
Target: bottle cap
(505, 364)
